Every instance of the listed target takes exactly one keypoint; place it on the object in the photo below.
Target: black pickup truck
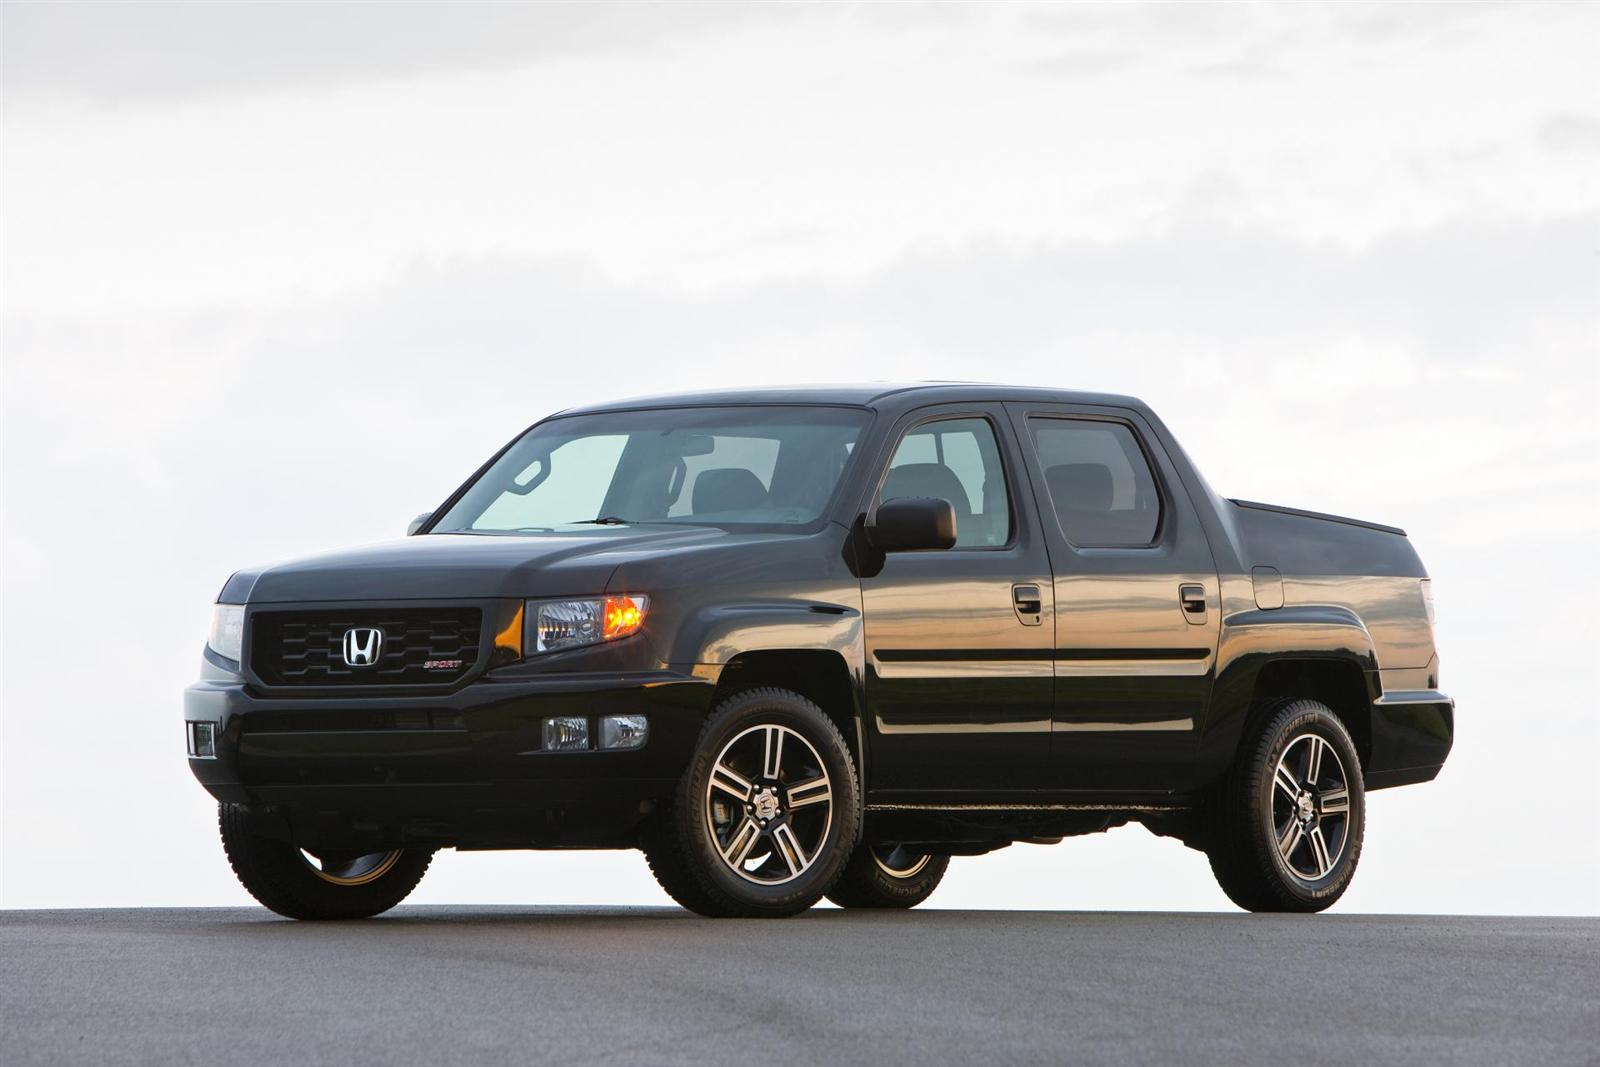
(814, 642)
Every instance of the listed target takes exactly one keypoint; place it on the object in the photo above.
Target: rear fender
(1250, 641)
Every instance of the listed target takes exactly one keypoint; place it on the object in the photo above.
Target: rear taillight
(1427, 598)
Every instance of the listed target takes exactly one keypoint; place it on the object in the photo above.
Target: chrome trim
(965, 668)
(1414, 696)
(1158, 725)
(363, 646)
(1028, 807)
(1020, 726)
(1133, 668)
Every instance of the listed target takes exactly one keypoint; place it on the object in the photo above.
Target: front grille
(421, 646)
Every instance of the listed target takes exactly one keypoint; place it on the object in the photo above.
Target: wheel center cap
(1305, 807)
(766, 804)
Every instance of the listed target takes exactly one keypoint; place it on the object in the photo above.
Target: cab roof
(880, 396)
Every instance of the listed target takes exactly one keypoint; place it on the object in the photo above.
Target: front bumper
(463, 768)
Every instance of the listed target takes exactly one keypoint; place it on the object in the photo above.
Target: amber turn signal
(623, 615)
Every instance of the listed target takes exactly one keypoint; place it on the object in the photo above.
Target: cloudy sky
(1349, 252)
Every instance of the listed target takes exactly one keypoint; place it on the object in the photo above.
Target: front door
(959, 641)
(1137, 599)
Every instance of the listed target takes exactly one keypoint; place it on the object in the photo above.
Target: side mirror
(914, 524)
(418, 523)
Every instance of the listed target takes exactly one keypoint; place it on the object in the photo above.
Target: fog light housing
(623, 731)
(566, 733)
(202, 740)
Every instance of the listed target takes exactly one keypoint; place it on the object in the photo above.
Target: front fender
(795, 644)
(715, 634)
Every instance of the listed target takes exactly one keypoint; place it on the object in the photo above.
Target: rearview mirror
(418, 523)
(697, 444)
(914, 524)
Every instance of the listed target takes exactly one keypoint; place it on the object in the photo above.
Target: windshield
(718, 466)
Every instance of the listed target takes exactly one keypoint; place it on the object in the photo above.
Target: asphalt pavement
(478, 986)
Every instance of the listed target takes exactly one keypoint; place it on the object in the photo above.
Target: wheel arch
(1318, 652)
(1335, 681)
(822, 676)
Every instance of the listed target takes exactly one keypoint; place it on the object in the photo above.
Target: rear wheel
(1287, 825)
(325, 885)
(766, 815)
(888, 876)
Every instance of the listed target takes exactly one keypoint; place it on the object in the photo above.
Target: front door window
(959, 461)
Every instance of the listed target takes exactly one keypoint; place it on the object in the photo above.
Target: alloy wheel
(1310, 807)
(769, 804)
(897, 861)
(351, 870)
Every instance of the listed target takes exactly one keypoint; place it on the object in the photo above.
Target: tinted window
(959, 460)
(1098, 481)
(757, 455)
(715, 466)
(570, 481)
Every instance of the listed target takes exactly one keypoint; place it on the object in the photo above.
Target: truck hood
(571, 562)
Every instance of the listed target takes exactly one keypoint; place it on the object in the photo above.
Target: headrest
(1080, 486)
(727, 489)
(927, 479)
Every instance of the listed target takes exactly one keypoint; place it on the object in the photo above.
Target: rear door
(959, 680)
(1136, 596)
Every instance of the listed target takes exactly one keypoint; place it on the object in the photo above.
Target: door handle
(1192, 598)
(1029, 604)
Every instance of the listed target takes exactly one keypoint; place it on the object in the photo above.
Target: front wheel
(888, 876)
(303, 885)
(1287, 824)
(767, 814)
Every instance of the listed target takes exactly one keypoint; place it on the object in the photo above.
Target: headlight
(558, 624)
(227, 631)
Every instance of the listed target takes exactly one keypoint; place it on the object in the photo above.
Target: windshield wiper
(604, 520)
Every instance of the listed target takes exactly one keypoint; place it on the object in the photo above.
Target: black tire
(278, 875)
(786, 848)
(880, 876)
(1269, 837)
(669, 862)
